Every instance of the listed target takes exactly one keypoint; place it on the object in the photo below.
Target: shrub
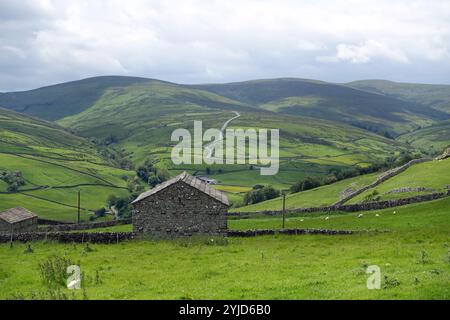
(306, 184)
(260, 194)
(390, 282)
(53, 271)
(374, 196)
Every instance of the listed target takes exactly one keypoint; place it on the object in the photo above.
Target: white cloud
(367, 51)
(191, 41)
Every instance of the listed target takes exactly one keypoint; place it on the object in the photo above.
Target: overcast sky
(44, 42)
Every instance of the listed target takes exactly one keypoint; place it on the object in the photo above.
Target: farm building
(17, 220)
(184, 205)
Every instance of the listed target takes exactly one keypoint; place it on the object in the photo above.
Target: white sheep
(327, 218)
(377, 215)
(360, 215)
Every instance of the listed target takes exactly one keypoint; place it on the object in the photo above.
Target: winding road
(208, 147)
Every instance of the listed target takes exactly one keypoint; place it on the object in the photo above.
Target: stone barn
(18, 220)
(182, 206)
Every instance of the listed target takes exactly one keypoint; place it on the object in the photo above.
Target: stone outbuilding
(18, 220)
(182, 206)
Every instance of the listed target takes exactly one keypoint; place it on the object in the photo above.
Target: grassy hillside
(434, 138)
(436, 96)
(138, 115)
(322, 196)
(375, 112)
(141, 118)
(413, 257)
(57, 101)
(54, 164)
(433, 176)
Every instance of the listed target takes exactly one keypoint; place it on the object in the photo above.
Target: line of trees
(339, 173)
(260, 193)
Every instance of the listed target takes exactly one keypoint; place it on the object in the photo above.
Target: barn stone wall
(179, 210)
(29, 225)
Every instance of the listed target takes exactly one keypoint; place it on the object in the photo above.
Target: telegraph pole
(284, 208)
(79, 196)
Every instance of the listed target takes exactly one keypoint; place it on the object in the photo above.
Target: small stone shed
(182, 206)
(18, 220)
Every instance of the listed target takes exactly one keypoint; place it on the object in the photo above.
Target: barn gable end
(182, 206)
(17, 220)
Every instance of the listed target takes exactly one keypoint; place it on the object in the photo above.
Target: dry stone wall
(353, 207)
(117, 237)
(381, 178)
(65, 237)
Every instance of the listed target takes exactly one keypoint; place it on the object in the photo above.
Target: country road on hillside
(208, 147)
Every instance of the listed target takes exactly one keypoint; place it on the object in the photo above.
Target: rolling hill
(372, 111)
(434, 138)
(322, 125)
(432, 95)
(54, 165)
(376, 111)
(140, 119)
(422, 178)
(60, 100)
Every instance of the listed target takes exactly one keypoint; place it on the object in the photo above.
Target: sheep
(360, 215)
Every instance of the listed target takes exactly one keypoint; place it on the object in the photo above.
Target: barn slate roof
(193, 182)
(16, 215)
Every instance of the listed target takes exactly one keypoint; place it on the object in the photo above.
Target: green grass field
(413, 253)
(434, 138)
(55, 165)
(434, 176)
(322, 196)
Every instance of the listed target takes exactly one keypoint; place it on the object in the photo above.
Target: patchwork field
(413, 255)
(105, 123)
(322, 196)
(156, 109)
(55, 165)
(434, 138)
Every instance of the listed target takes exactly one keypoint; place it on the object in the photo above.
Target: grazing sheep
(360, 215)
(377, 215)
(327, 218)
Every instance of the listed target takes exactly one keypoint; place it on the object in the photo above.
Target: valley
(324, 128)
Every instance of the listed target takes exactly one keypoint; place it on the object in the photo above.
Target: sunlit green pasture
(412, 253)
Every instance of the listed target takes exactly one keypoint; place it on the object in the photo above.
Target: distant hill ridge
(374, 110)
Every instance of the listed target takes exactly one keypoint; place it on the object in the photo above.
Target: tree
(270, 192)
(260, 193)
(306, 184)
